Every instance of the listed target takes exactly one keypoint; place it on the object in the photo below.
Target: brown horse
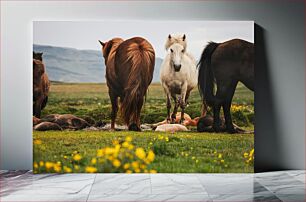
(129, 72)
(225, 64)
(41, 87)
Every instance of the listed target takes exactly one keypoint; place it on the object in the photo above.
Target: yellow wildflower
(128, 171)
(67, 169)
(222, 161)
(167, 139)
(140, 153)
(128, 138)
(109, 150)
(126, 166)
(41, 163)
(35, 165)
(76, 167)
(135, 164)
(37, 142)
(115, 142)
(93, 161)
(197, 161)
(150, 156)
(126, 144)
(57, 168)
(116, 163)
(49, 165)
(137, 170)
(77, 157)
(90, 169)
(251, 152)
(220, 156)
(245, 154)
(100, 152)
(153, 171)
(193, 157)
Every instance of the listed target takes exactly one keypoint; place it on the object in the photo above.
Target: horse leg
(168, 108)
(204, 108)
(37, 108)
(227, 109)
(176, 105)
(182, 101)
(135, 120)
(187, 96)
(114, 102)
(219, 99)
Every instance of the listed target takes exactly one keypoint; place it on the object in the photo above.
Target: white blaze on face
(176, 53)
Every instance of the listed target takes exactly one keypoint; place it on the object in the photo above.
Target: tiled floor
(272, 186)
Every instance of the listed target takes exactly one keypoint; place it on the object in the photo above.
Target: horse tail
(206, 78)
(141, 56)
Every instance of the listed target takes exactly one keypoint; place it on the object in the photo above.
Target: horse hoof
(217, 129)
(134, 127)
(232, 131)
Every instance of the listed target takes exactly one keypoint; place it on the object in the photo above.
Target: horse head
(172, 39)
(37, 56)
(107, 46)
(176, 54)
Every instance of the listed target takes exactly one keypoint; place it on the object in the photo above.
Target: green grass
(92, 100)
(168, 159)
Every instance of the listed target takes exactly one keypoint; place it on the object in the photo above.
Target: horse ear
(169, 36)
(184, 37)
(102, 44)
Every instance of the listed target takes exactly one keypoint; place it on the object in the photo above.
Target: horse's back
(234, 59)
(135, 55)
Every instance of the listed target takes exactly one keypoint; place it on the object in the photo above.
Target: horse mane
(110, 48)
(172, 39)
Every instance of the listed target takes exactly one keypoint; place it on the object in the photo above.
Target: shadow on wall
(267, 146)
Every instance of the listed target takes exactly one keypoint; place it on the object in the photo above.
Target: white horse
(178, 74)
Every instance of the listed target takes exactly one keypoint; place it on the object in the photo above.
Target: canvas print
(143, 96)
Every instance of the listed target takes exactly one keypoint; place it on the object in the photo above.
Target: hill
(78, 66)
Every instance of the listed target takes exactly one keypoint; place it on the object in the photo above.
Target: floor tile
(218, 184)
(298, 175)
(245, 198)
(176, 184)
(43, 198)
(281, 183)
(292, 197)
(150, 197)
(117, 184)
(48, 184)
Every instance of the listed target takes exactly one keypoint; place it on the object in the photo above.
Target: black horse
(225, 64)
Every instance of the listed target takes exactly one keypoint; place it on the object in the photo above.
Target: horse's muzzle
(177, 68)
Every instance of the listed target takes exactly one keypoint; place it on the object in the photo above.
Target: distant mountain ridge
(78, 66)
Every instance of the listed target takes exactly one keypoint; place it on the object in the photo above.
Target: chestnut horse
(129, 72)
(225, 64)
(41, 87)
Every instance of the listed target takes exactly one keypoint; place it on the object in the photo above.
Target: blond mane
(171, 39)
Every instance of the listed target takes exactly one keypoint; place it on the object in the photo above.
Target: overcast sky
(85, 35)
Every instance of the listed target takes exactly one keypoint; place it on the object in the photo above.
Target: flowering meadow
(146, 152)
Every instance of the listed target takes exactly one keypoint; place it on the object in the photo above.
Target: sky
(85, 35)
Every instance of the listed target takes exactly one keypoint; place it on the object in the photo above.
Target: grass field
(97, 151)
